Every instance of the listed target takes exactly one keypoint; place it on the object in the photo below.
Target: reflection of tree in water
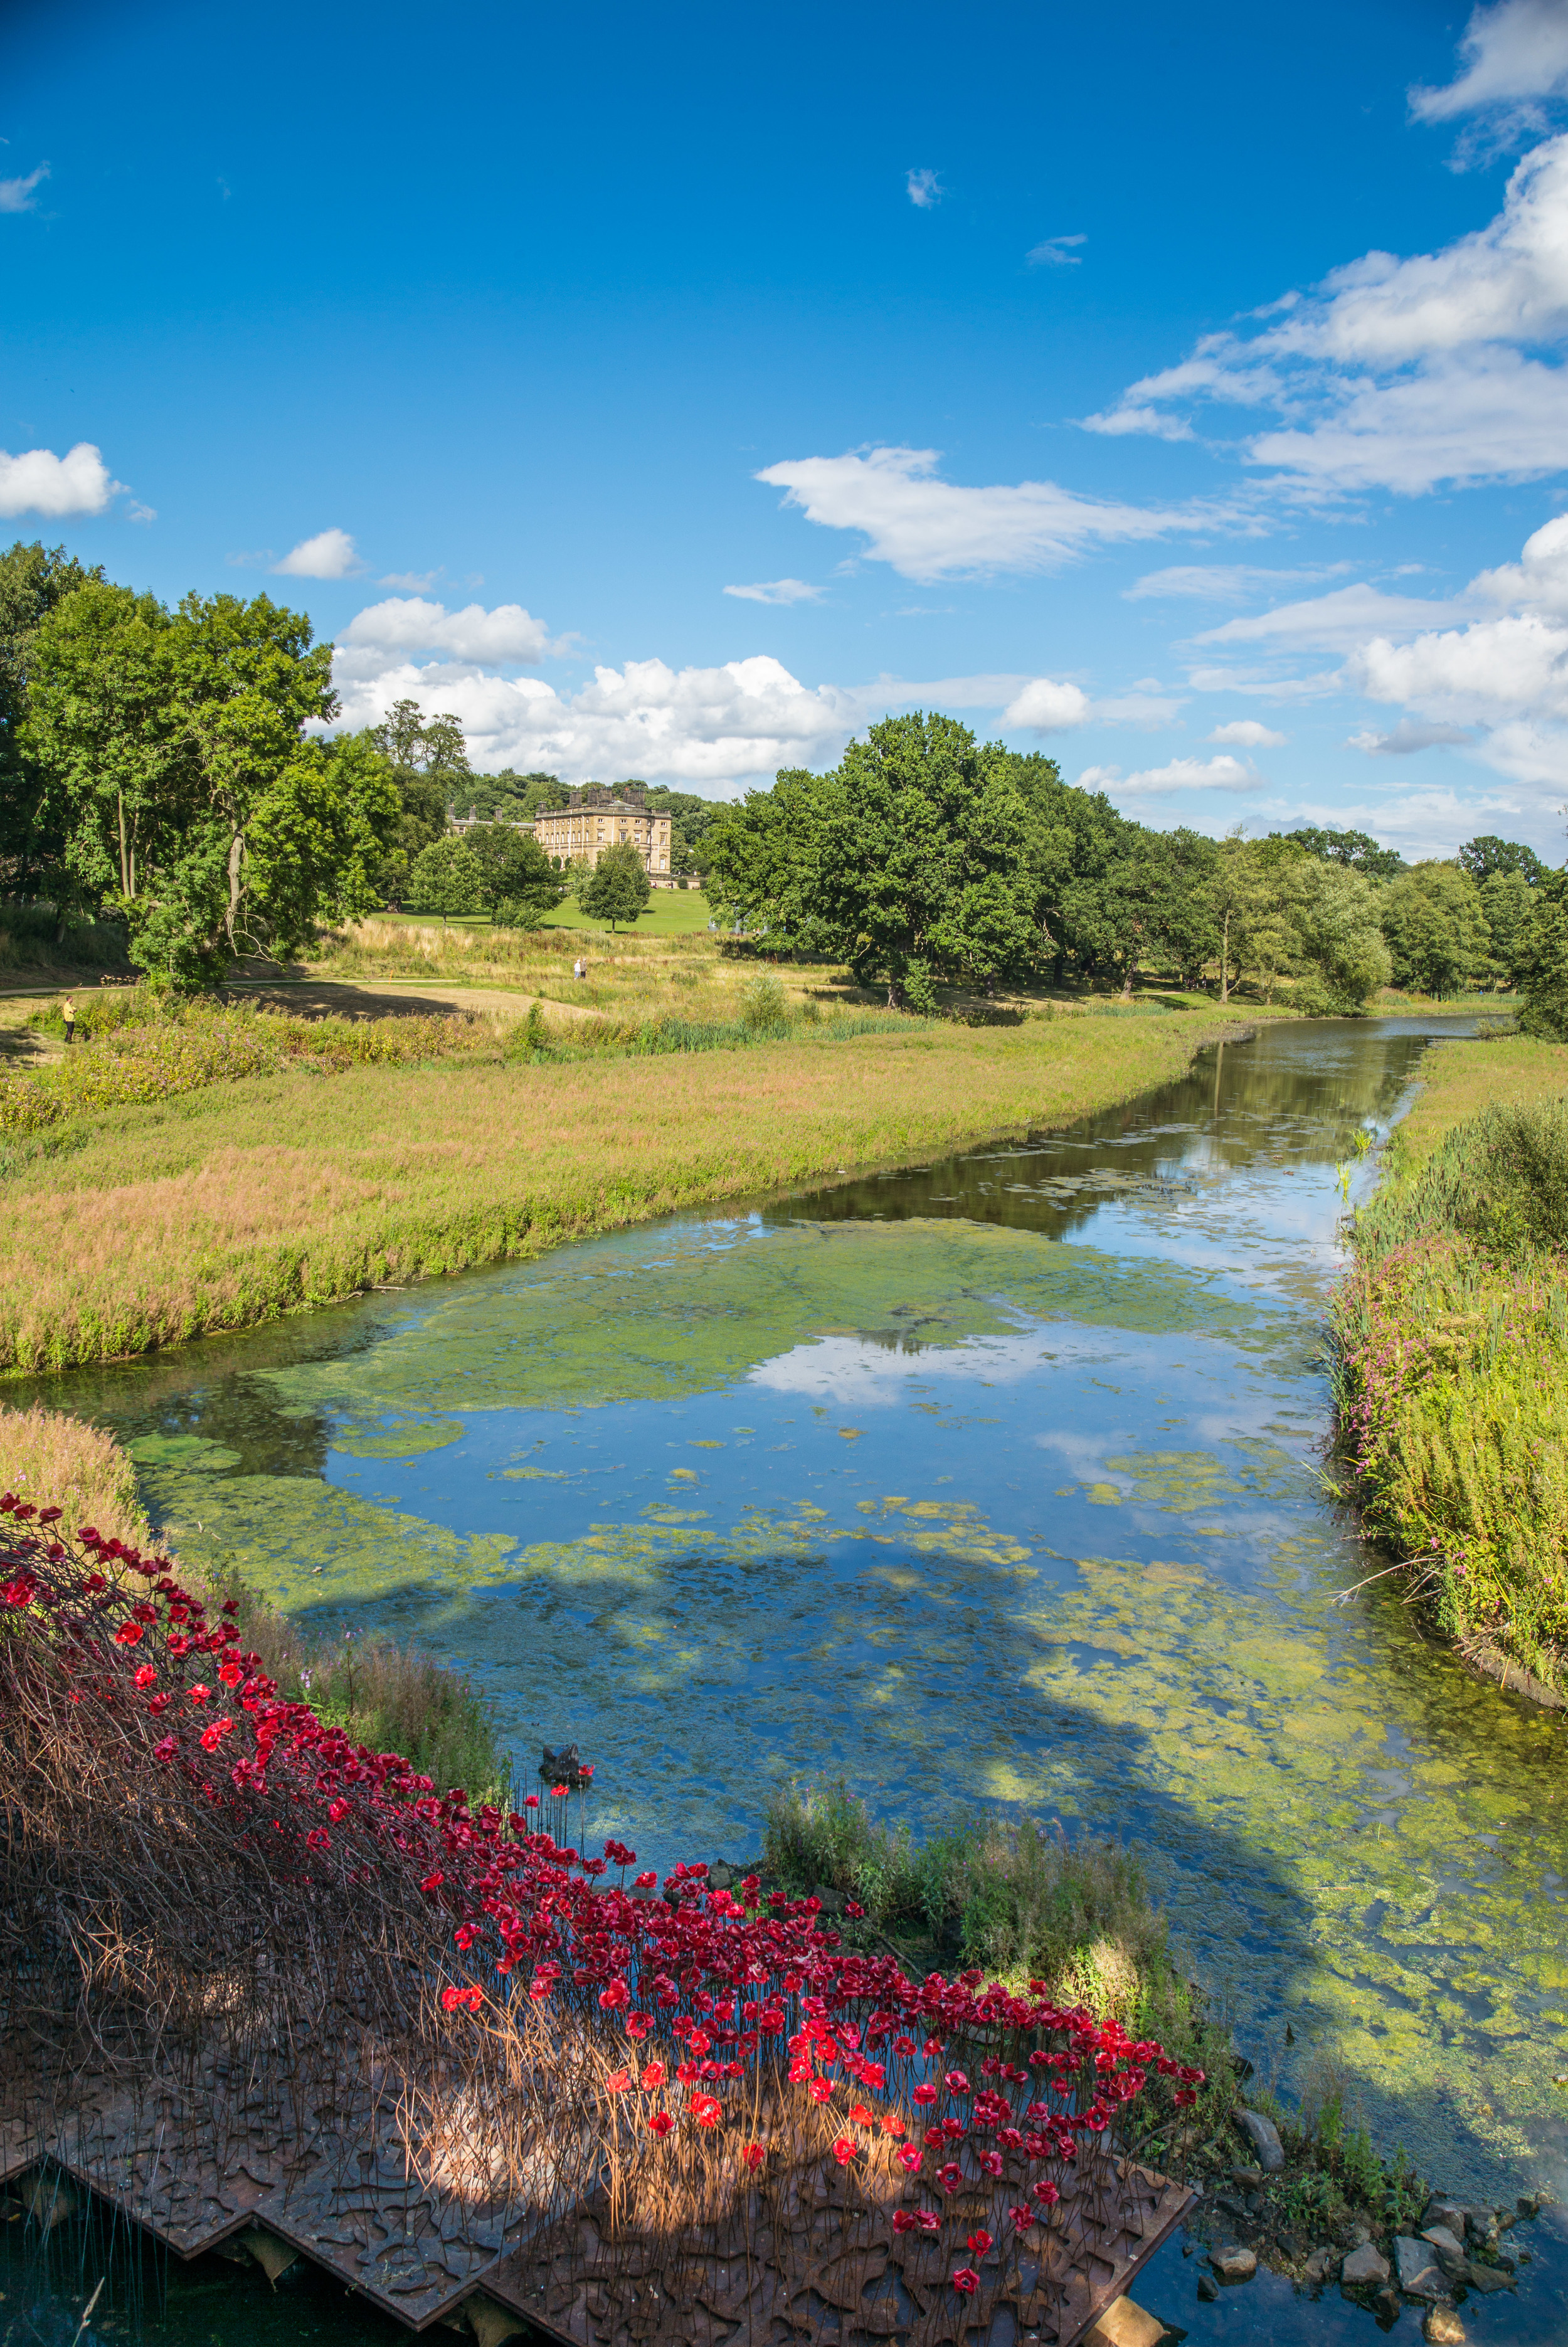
(1298, 1091)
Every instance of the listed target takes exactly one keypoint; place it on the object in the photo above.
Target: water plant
(250, 1912)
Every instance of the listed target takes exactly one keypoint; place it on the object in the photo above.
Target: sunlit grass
(145, 1225)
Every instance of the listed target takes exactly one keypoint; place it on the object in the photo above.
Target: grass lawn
(143, 1225)
(669, 913)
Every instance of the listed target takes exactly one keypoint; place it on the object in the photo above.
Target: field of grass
(134, 1227)
(669, 913)
(1450, 1355)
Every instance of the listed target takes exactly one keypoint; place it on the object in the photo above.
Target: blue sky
(1182, 395)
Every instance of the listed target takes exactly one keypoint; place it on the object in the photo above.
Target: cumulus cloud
(1398, 374)
(414, 582)
(41, 483)
(929, 528)
(1056, 252)
(329, 555)
(712, 727)
(1219, 773)
(1516, 55)
(1046, 707)
(1246, 733)
(924, 189)
(411, 624)
(17, 195)
(777, 591)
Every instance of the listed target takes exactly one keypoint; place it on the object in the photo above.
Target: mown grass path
(229, 1206)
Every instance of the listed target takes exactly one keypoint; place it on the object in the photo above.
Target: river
(989, 1484)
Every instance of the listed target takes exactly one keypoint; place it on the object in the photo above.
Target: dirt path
(347, 997)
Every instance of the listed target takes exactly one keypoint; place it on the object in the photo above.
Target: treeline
(925, 857)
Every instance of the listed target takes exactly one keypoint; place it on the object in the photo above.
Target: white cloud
(409, 624)
(1338, 622)
(1400, 374)
(929, 528)
(1046, 707)
(1220, 774)
(1218, 582)
(41, 483)
(1514, 52)
(924, 189)
(1246, 733)
(1055, 253)
(711, 726)
(329, 555)
(777, 591)
(17, 196)
(414, 582)
(1406, 739)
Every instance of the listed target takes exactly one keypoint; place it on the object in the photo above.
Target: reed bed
(1450, 1357)
(221, 1910)
(234, 1203)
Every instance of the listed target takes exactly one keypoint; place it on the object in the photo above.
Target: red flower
(910, 2157)
(821, 2090)
(956, 2083)
(753, 2154)
(890, 2125)
(645, 1881)
(903, 2046)
(228, 1671)
(845, 2149)
(966, 2281)
(200, 1693)
(1022, 2218)
(166, 1750)
(337, 1811)
(638, 2024)
(159, 1703)
(861, 2116)
(432, 1883)
(145, 1675)
(661, 2123)
(320, 1839)
(950, 2177)
(927, 2220)
(905, 2220)
(1045, 2192)
(129, 1633)
(653, 2077)
(851, 1909)
(231, 1605)
(990, 2163)
(617, 2082)
(979, 2242)
(706, 2110)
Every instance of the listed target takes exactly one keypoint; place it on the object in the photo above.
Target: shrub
(764, 1004)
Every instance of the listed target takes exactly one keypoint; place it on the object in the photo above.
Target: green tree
(32, 580)
(191, 801)
(917, 858)
(1508, 908)
(448, 878)
(1486, 855)
(1338, 940)
(1437, 937)
(1544, 975)
(617, 887)
(516, 868)
(429, 760)
(1358, 849)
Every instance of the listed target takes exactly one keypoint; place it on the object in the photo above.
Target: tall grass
(230, 1205)
(1449, 1354)
(32, 936)
(136, 1048)
(48, 1458)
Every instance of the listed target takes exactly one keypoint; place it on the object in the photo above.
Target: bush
(764, 1004)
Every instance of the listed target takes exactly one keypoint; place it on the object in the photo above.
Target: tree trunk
(1224, 959)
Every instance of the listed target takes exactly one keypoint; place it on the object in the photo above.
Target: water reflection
(991, 1480)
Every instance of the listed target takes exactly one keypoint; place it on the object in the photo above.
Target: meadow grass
(1449, 1354)
(62, 1462)
(145, 1225)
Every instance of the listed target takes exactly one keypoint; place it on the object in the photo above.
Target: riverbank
(145, 1224)
(1449, 1350)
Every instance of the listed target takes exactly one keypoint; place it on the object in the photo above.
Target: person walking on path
(68, 1012)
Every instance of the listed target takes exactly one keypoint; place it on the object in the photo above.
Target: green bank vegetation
(133, 1227)
(1450, 1355)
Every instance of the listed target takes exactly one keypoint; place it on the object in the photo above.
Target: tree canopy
(617, 887)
